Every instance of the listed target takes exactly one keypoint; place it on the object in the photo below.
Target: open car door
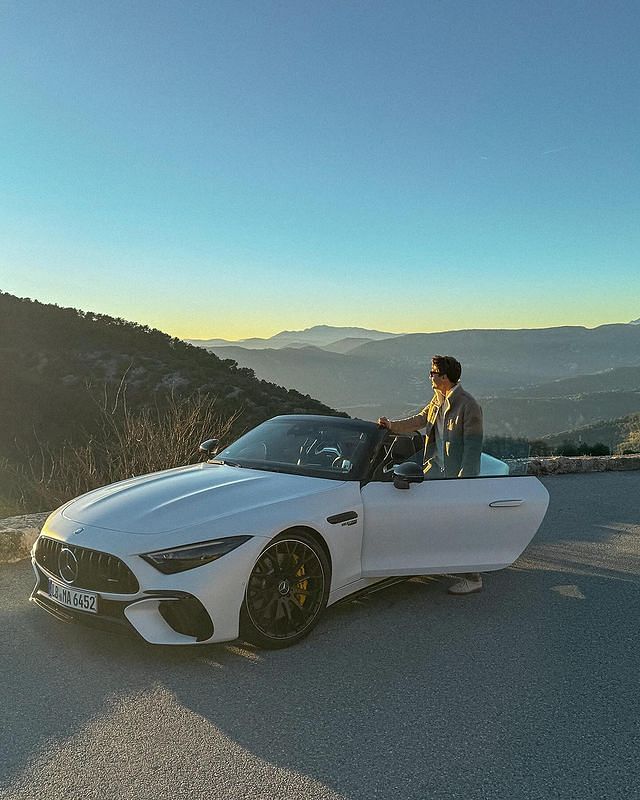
(454, 525)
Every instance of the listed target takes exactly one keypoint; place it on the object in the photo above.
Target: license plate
(73, 598)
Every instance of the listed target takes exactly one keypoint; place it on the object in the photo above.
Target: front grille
(98, 572)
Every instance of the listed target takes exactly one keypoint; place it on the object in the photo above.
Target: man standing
(453, 444)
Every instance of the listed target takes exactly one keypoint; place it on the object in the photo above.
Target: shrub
(126, 443)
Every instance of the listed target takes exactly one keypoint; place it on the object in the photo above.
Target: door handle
(506, 503)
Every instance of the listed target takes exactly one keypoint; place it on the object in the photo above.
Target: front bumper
(196, 606)
(160, 617)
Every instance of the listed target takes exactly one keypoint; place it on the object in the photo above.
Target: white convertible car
(295, 515)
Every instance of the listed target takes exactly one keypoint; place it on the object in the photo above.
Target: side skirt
(361, 588)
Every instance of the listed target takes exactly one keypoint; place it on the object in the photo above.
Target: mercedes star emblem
(67, 565)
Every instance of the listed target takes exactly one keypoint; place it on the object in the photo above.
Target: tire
(286, 592)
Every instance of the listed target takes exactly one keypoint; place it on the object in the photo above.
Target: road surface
(527, 690)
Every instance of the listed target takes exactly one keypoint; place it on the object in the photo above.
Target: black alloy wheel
(287, 591)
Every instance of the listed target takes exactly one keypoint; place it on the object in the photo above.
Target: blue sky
(237, 168)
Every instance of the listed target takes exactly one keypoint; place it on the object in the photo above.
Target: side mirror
(406, 474)
(210, 447)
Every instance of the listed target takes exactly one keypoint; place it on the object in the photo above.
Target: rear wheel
(287, 591)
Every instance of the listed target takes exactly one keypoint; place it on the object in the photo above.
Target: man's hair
(449, 366)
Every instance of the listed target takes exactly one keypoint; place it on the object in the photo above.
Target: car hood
(187, 496)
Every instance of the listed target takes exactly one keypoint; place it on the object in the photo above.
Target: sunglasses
(434, 374)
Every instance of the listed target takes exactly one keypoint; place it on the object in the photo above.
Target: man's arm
(471, 441)
(406, 425)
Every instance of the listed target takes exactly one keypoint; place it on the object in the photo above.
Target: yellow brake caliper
(301, 585)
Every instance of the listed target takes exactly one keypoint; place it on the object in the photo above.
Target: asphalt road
(527, 690)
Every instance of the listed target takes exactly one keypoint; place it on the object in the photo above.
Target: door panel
(458, 525)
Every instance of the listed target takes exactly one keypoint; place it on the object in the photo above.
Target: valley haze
(532, 382)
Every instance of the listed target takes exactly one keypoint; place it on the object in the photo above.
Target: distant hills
(318, 336)
(532, 382)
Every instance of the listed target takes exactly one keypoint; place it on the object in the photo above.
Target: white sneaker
(466, 586)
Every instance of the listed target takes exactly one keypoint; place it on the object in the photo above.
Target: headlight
(181, 558)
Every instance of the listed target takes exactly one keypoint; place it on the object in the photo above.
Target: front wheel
(287, 591)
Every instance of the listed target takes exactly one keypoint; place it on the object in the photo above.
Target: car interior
(396, 449)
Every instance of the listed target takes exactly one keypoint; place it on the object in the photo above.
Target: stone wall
(17, 535)
(563, 465)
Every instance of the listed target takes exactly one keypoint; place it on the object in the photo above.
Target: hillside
(535, 417)
(620, 435)
(55, 360)
(610, 380)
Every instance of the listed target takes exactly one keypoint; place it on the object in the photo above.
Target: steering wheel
(320, 454)
(325, 450)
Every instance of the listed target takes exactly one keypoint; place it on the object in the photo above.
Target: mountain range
(319, 335)
(532, 382)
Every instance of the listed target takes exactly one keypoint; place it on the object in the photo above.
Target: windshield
(323, 447)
